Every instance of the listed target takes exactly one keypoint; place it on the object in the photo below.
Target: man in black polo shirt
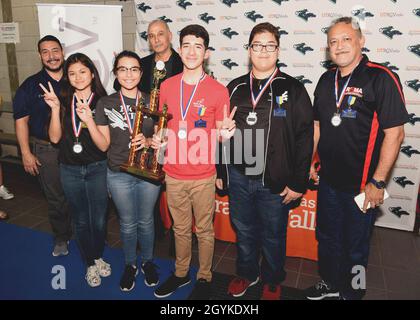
(32, 116)
(359, 126)
(160, 38)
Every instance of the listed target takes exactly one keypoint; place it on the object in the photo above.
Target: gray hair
(347, 20)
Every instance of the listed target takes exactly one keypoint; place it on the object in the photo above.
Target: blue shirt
(29, 101)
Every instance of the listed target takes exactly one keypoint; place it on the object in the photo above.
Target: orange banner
(301, 240)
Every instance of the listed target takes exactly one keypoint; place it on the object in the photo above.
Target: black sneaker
(170, 285)
(128, 279)
(321, 291)
(202, 290)
(151, 277)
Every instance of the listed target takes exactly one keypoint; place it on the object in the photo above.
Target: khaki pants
(185, 197)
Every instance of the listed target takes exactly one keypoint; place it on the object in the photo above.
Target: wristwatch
(378, 184)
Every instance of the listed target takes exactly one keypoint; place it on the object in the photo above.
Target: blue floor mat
(27, 271)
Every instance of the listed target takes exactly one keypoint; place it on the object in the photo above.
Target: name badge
(349, 113)
(280, 112)
(200, 124)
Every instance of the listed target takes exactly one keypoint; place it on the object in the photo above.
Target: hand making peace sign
(228, 127)
(83, 109)
(50, 97)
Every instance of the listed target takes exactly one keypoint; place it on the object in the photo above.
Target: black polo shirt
(350, 152)
(29, 101)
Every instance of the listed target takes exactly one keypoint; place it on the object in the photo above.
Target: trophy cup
(145, 162)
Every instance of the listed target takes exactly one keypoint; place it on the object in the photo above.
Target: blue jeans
(86, 192)
(260, 221)
(135, 201)
(343, 233)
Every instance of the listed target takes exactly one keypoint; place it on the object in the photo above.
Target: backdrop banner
(392, 34)
(86, 29)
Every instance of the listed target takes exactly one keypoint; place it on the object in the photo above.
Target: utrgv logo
(183, 4)
(408, 150)
(417, 12)
(164, 18)
(206, 18)
(281, 64)
(252, 15)
(143, 35)
(413, 84)
(390, 32)
(390, 66)
(303, 80)
(229, 2)
(362, 13)
(228, 63)
(327, 64)
(228, 32)
(143, 7)
(305, 14)
(302, 48)
(412, 119)
(282, 32)
(279, 1)
(415, 49)
(364, 49)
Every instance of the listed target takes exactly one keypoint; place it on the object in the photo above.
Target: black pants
(49, 178)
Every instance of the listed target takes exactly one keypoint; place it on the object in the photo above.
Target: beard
(60, 67)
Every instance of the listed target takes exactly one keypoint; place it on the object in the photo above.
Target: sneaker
(128, 279)
(202, 290)
(238, 286)
(151, 277)
(320, 291)
(103, 267)
(271, 292)
(170, 285)
(92, 276)
(5, 194)
(61, 249)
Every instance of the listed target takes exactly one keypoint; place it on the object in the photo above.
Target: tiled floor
(394, 264)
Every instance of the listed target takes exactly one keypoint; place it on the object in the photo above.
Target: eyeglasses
(258, 47)
(125, 69)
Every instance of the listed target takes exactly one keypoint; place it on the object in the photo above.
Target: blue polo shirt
(29, 101)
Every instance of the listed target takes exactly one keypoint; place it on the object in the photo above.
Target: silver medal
(182, 133)
(336, 120)
(252, 118)
(77, 148)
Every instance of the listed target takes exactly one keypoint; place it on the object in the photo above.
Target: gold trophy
(145, 163)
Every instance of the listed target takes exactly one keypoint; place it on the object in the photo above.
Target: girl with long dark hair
(82, 163)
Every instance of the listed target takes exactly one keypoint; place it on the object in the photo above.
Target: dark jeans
(260, 221)
(49, 178)
(86, 191)
(343, 233)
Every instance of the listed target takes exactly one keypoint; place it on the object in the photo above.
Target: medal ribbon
(127, 117)
(261, 92)
(77, 125)
(184, 111)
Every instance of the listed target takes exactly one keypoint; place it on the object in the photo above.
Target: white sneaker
(92, 276)
(104, 268)
(5, 194)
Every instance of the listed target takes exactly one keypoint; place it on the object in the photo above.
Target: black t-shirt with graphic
(109, 111)
(90, 152)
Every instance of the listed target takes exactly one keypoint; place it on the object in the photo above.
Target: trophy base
(143, 173)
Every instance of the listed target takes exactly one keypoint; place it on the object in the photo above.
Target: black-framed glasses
(258, 47)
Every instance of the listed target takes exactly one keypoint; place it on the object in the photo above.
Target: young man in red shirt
(197, 103)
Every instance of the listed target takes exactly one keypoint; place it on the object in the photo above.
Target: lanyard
(261, 92)
(124, 106)
(184, 111)
(77, 125)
